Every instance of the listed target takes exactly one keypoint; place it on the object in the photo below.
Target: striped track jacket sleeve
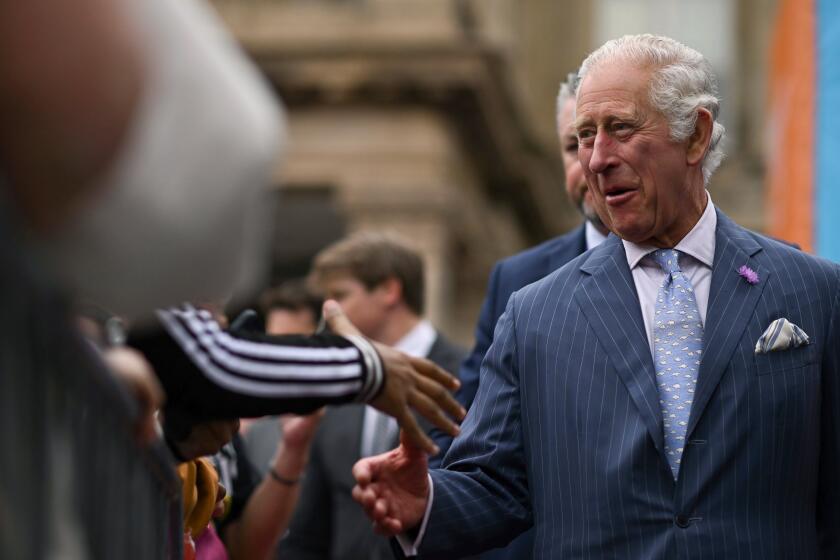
(209, 372)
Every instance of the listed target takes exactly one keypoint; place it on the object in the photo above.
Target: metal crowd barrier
(73, 483)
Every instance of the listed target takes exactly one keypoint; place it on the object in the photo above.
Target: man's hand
(409, 383)
(393, 488)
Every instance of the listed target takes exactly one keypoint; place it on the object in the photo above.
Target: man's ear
(392, 289)
(698, 142)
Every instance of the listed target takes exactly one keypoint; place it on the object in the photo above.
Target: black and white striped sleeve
(214, 372)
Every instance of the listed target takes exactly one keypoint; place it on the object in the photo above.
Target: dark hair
(372, 258)
(293, 295)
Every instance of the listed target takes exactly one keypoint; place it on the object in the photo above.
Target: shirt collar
(699, 242)
(593, 236)
(418, 341)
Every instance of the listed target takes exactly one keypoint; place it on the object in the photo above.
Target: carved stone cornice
(466, 81)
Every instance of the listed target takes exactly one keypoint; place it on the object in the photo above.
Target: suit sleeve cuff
(408, 547)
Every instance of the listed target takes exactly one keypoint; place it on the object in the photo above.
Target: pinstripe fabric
(508, 275)
(565, 432)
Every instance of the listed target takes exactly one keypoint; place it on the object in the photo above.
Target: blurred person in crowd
(261, 506)
(93, 149)
(93, 144)
(263, 465)
(107, 335)
(289, 308)
(380, 282)
(120, 140)
(632, 401)
(519, 270)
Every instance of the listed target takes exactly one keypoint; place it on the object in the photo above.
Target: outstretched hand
(298, 431)
(410, 383)
(393, 488)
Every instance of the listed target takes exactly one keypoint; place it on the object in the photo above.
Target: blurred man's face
(290, 321)
(637, 174)
(576, 186)
(365, 308)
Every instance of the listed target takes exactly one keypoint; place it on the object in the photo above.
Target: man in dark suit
(673, 393)
(517, 271)
(379, 282)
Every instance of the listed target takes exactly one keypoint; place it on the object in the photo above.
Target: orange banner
(790, 169)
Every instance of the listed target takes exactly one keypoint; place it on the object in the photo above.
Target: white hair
(566, 92)
(682, 82)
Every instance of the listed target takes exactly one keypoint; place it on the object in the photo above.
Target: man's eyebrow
(580, 122)
(633, 117)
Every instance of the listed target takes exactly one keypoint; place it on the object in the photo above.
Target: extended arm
(481, 497)
(310, 531)
(269, 509)
(208, 373)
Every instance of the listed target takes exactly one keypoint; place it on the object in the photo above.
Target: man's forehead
(606, 110)
(338, 276)
(615, 79)
(611, 98)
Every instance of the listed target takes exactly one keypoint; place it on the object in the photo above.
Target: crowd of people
(658, 382)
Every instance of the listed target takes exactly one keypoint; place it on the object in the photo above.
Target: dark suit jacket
(328, 523)
(509, 275)
(566, 432)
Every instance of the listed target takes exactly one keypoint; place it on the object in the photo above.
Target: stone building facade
(435, 119)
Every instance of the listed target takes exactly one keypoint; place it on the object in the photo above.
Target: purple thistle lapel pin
(748, 274)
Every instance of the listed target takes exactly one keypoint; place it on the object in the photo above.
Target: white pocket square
(780, 335)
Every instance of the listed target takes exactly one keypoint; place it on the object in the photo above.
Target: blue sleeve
(481, 499)
(469, 372)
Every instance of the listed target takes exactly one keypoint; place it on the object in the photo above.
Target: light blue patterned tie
(677, 344)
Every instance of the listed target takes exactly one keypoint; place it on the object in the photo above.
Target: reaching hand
(393, 488)
(298, 431)
(409, 383)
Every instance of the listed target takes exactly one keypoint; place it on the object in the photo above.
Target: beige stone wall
(403, 170)
(435, 119)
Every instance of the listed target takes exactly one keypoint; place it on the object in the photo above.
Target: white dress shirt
(378, 429)
(593, 236)
(698, 248)
(698, 254)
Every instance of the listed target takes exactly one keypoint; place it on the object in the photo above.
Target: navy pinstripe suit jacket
(566, 435)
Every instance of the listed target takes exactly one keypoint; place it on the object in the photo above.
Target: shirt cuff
(408, 547)
(373, 364)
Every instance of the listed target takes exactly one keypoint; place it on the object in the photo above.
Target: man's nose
(603, 155)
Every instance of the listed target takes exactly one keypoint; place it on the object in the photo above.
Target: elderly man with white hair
(672, 393)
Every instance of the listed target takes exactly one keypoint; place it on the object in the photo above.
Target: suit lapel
(608, 298)
(731, 303)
